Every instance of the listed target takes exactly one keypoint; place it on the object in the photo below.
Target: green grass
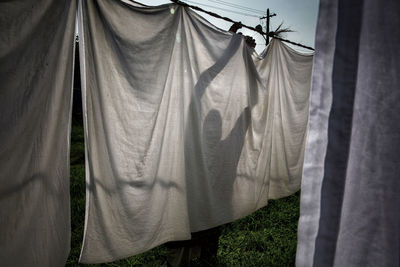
(267, 237)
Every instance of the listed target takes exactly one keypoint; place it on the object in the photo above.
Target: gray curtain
(350, 201)
(36, 63)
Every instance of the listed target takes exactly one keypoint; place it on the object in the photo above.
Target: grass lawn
(267, 237)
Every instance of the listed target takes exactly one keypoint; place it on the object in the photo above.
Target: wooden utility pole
(267, 28)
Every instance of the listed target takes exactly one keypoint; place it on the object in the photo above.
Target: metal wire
(243, 8)
(224, 9)
(270, 34)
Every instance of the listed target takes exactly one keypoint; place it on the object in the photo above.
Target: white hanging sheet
(36, 69)
(185, 128)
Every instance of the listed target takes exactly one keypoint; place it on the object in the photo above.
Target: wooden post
(267, 28)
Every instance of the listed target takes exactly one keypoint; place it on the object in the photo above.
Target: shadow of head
(212, 127)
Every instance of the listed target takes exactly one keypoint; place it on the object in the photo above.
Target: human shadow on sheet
(210, 168)
(211, 160)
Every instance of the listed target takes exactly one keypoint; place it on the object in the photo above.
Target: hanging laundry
(186, 128)
(36, 64)
(350, 195)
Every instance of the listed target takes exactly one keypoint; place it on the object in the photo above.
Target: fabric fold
(349, 214)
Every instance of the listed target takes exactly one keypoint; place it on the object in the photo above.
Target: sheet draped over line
(185, 128)
(36, 63)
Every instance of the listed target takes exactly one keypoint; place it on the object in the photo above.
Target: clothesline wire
(270, 34)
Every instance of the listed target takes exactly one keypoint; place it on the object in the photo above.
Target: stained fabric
(36, 63)
(186, 128)
(350, 199)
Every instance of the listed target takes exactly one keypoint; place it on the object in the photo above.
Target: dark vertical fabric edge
(339, 128)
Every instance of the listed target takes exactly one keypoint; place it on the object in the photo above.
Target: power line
(223, 9)
(238, 6)
(248, 9)
(214, 15)
(270, 34)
